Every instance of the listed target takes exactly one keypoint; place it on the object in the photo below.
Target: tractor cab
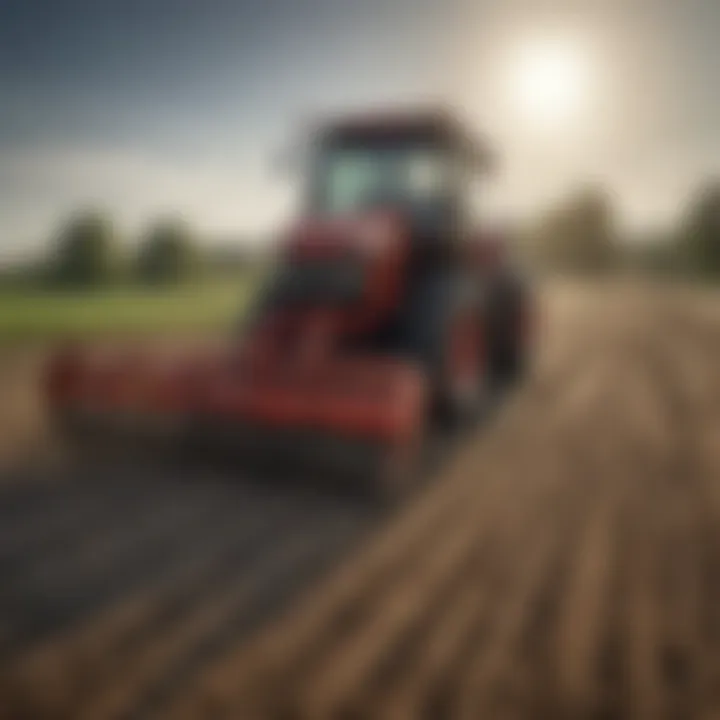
(385, 199)
(417, 166)
(384, 228)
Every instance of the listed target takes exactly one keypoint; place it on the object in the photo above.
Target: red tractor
(388, 312)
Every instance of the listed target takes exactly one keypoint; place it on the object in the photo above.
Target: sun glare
(550, 81)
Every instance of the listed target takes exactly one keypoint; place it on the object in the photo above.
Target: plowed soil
(564, 563)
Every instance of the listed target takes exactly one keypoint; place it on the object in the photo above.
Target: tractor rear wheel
(507, 341)
(462, 383)
(441, 330)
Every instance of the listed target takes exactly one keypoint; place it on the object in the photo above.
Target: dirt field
(565, 564)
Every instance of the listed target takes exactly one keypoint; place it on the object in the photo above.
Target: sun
(550, 80)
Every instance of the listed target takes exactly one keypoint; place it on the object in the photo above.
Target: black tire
(507, 352)
(435, 301)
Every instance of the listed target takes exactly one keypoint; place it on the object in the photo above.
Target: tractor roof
(432, 124)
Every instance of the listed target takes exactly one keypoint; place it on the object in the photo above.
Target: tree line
(578, 235)
(581, 235)
(87, 251)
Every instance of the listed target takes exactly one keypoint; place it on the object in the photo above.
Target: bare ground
(565, 564)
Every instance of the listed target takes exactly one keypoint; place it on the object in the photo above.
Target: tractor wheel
(441, 330)
(462, 384)
(507, 351)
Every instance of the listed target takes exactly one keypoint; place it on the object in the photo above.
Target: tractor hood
(375, 235)
(352, 268)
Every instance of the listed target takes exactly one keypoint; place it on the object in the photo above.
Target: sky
(148, 107)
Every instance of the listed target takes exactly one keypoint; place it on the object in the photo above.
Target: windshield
(357, 178)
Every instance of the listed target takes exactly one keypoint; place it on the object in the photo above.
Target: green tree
(168, 254)
(85, 252)
(700, 232)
